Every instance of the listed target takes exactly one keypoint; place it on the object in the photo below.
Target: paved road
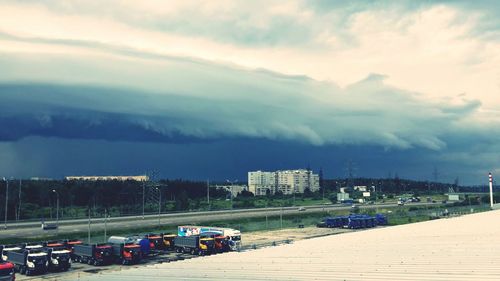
(31, 229)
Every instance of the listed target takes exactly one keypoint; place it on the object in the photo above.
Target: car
(301, 209)
(49, 226)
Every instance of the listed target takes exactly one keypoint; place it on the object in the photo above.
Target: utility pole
(143, 196)
(6, 200)
(19, 207)
(491, 190)
(57, 208)
(281, 217)
(208, 193)
(88, 241)
(105, 224)
(159, 210)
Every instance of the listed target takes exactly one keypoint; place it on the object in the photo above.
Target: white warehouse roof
(462, 248)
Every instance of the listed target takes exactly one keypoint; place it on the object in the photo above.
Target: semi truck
(59, 257)
(29, 262)
(194, 244)
(233, 235)
(97, 254)
(7, 272)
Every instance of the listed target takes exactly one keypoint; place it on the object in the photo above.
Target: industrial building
(461, 249)
(285, 181)
(108, 178)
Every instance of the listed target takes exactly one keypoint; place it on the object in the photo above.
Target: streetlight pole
(57, 208)
(143, 197)
(6, 200)
(89, 228)
(19, 209)
(105, 224)
(159, 206)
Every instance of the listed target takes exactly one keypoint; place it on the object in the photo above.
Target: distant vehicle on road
(49, 226)
(302, 209)
(401, 203)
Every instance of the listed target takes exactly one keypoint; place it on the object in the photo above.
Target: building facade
(285, 181)
(108, 178)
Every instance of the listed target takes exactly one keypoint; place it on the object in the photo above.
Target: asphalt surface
(33, 229)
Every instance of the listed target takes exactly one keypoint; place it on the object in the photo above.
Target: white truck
(233, 235)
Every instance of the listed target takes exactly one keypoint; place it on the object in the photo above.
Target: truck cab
(59, 257)
(221, 243)
(127, 254)
(206, 245)
(7, 272)
(168, 240)
(155, 241)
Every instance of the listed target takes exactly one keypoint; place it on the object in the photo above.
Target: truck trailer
(97, 254)
(4, 249)
(194, 244)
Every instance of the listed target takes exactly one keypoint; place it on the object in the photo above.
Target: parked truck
(127, 254)
(221, 243)
(233, 235)
(29, 262)
(155, 241)
(97, 254)
(144, 244)
(4, 249)
(194, 244)
(70, 245)
(59, 257)
(168, 241)
(7, 272)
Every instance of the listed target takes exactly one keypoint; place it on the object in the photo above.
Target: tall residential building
(261, 183)
(287, 181)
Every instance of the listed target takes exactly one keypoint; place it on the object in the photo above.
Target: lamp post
(143, 197)
(159, 206)
(57, 208)
(6, 200)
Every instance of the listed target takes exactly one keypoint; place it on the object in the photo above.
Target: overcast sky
(213, 89)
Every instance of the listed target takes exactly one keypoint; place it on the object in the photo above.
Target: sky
(213, 89)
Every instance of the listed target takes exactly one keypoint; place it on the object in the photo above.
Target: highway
(33, 229)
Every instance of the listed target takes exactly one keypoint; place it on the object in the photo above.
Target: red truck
(7, 271)
(127, 254)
